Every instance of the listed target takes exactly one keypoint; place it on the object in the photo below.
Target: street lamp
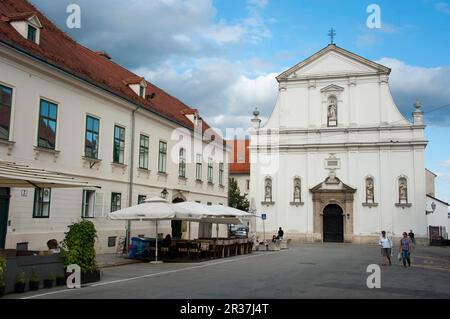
(164, 193)
(433, 207)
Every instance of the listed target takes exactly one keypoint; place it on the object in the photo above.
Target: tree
(235, 199)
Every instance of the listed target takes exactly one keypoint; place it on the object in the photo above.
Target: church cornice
(288, 131)
(355, 145)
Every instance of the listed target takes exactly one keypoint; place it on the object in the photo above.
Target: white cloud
(219, 89)
(446, 163)
(222, 33)
(430, 85)
(157, 30)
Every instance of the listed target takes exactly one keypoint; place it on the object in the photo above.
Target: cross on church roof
(332, 34)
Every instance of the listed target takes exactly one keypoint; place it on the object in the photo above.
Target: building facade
(65, 108)
(239, 164)
(336, 160)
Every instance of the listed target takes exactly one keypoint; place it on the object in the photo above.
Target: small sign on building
(264, 216)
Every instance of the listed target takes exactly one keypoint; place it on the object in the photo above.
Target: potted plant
(48, 283)
(34, 280)
(60, 280)
(79, 249)
(2, 276)
(19, 286)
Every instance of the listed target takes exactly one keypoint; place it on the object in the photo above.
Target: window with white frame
(41, 207)
(182, 163)
(210, 170)
(199, 167)
(162, 157)
(221, 173)
(6, 95)
(88, 209)
(143, 151)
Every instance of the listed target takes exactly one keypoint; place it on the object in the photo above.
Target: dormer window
(32, 32)
(137, 84)
(27, 24)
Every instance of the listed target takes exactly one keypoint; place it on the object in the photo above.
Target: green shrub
(51, 277)
(78, 245)
(2, 271)
(34, 277)
(21, 279)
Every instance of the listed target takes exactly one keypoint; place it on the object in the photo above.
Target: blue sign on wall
(264, 216)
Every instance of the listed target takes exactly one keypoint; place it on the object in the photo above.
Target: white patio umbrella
(230, 211)
(210, 215)
(155, 209)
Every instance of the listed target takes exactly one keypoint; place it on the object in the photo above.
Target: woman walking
(405, 250)
(386, 246)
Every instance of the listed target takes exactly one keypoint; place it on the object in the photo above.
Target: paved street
(304, 271)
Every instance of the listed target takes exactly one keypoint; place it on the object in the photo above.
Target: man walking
(386, 246)
(280, 234)
(405, 250)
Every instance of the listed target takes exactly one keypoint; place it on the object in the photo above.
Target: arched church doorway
(333, 224)
(177, 225)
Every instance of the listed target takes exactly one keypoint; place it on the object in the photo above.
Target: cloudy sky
(222, 56)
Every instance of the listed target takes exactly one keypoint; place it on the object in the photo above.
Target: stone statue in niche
(297, 190)
(268, 191)
(403, 190)
(332, 111)
(370, 198)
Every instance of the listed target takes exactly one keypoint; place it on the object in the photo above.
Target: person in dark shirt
(280, 234)
(411, 237)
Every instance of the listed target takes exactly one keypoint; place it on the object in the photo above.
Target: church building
(336, 161)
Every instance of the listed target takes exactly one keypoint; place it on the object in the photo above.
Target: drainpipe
(130, 186)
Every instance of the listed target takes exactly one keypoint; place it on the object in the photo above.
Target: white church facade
(336, 161)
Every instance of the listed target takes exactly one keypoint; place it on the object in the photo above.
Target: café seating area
(198, 249)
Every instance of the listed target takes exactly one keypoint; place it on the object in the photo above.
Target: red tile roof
(58, 49)
(240, 161)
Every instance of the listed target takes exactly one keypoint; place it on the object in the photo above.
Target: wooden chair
(182, 249)
(194, 249)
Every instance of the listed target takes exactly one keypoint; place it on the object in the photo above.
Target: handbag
(399, 256)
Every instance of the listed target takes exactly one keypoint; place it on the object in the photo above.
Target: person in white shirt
(386, 246)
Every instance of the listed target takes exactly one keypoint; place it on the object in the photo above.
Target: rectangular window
(182, 163)
(91, 139)
(112, 241)
(209, 204)
(116, 202)
(141, 199)
(47, 124)
(5, 111)
(41, 208)
(221, 172)
(199, 167)
(119, 145)
(88, 209)
(143, 152)
(162, 157)
(141, 91)
(247, 184)
(210, 170)
(32, 31)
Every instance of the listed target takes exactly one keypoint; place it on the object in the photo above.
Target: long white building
(336, 160)
(67, 109)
